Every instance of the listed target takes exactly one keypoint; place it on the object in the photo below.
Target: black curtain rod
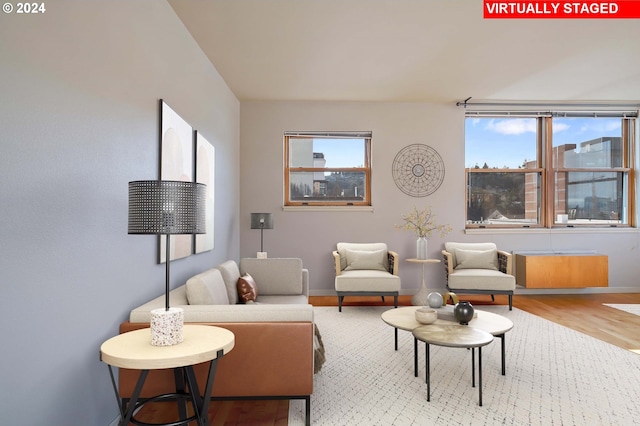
(466, 103)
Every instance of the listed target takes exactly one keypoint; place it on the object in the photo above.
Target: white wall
(312, 235)
(79, 115)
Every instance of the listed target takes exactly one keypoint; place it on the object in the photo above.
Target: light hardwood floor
(583, 313)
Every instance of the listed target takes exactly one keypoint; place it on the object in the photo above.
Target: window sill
(327, 208)
(563, 230)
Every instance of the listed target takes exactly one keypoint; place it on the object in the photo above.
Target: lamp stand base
(167, 326)
(261, 255)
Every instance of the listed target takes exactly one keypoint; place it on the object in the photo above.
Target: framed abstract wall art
(205, 173)
(176, 163)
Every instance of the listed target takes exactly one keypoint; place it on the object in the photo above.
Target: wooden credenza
(562, 270)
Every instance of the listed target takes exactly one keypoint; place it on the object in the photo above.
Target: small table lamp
(161, 207)
(261, 221)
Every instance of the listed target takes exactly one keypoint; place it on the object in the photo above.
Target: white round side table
(420, 298)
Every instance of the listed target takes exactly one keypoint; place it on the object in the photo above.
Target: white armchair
(478, 268)
(366, 269)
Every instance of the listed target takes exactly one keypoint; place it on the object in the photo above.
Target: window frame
(366, 169)
(548, 171)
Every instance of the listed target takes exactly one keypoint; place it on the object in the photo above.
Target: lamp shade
(261, 221)
(167, 207)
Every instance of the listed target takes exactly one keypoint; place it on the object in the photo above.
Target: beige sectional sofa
(273, 357)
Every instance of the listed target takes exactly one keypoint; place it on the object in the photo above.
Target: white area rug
(630, 308)
(555, 376)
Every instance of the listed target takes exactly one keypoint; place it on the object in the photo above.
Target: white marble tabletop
(404, 318)
(454, 336)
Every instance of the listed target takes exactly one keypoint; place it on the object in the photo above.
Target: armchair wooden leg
(511, 302)
(382, 299)
(493, 299)
(340, 299)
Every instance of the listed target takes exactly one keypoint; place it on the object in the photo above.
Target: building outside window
(549, 169)
(327, 168)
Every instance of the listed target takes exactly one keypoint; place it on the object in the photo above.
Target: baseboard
(328, 292)
(586, 290)
(519, 290)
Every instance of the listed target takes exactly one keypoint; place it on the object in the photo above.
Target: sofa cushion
(477, 259)
(230, 274)
(365, 260)
(207, 288)
(287, 299)
(247, 289)
(275, 276)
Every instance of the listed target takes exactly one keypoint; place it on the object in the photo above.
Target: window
(549, 169)
(327, 169)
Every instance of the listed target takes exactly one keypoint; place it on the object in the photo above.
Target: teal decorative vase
(463, 311)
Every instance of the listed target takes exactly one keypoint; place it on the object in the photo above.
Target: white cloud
(513, 126)
(560, 127)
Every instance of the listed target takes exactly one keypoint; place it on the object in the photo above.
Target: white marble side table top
(454, 336)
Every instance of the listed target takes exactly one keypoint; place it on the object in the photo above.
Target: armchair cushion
(477, 259)
(365, 260)
(344, 247)
(367, 280)
(453, 247)
(481, 279)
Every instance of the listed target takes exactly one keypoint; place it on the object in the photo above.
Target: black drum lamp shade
(165, 207)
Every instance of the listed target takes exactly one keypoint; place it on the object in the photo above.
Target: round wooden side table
(202, 343)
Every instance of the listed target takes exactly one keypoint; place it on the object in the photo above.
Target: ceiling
(410, 50)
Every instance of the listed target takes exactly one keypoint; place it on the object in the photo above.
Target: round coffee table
(454, 336)
(405, 319)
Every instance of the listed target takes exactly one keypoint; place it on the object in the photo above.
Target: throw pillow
(475, 259)
(247, 289)
(369, 260)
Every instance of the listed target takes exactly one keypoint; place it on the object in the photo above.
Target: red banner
(622, 9)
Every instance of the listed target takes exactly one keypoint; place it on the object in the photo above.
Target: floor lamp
(261, 221)
(162, 207)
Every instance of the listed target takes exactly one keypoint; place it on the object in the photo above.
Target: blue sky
(497, 141)
(509, 141)
(341, 152)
